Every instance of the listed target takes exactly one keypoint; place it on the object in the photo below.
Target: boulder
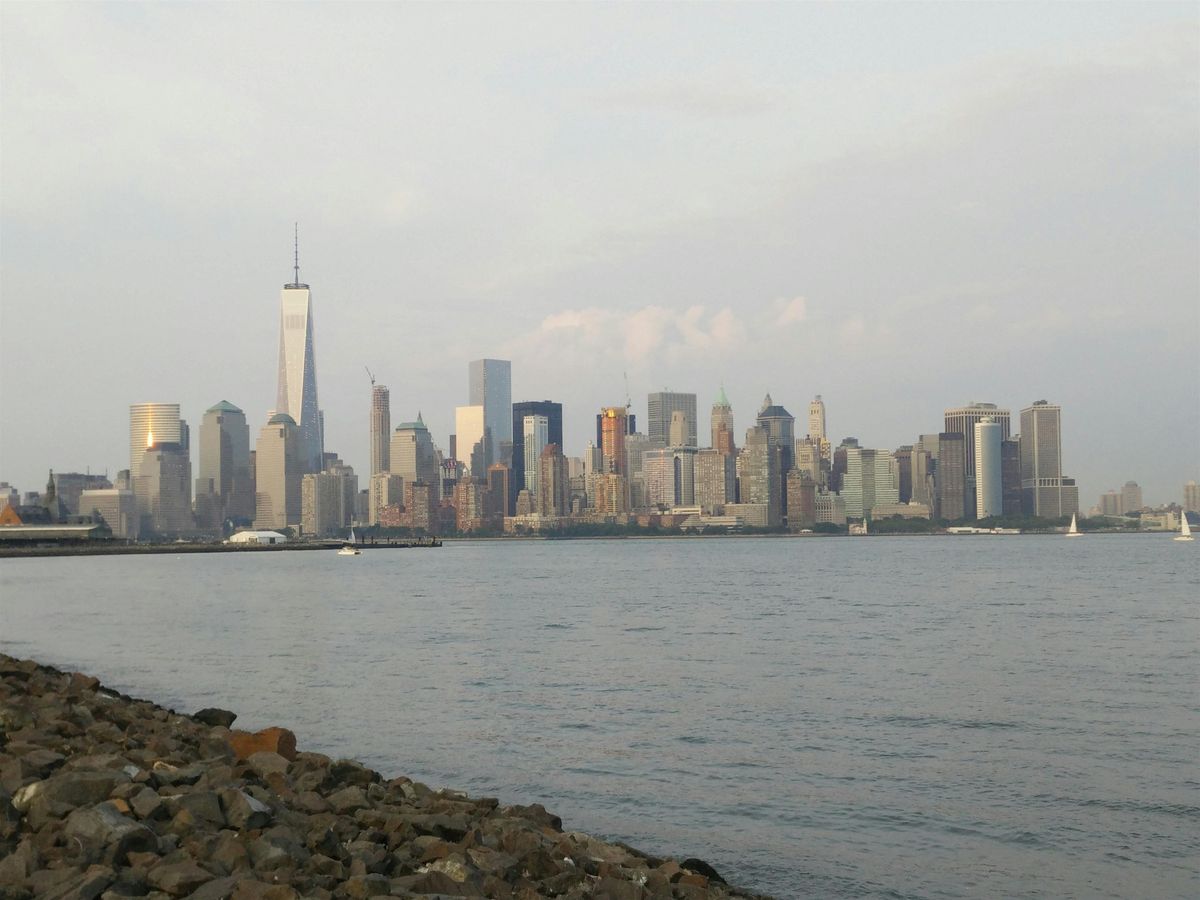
(102, 826)
(244, 812)
(178, 879)
(267, 762)
(275, 740)
(215, 717)
(347, 800)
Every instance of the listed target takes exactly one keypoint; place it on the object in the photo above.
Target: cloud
(788, 312)
(691, 98)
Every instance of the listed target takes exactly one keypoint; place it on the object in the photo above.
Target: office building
(224, 486)
(722, 425)
(1045, 492)
(535, 432)
(552, 491)
(989, 484)
(1191, 497)
(921, 479)
(384, 489)
(1110, 504)
(296, 396)
(381, 429)
(163, 490)
(323, 511)
(962, 421)
(872, 478)
(678, 431)
(414, 457)
(760, 474)
(69, 485)
(471, 445)
(151, 423)
(802, 500)
(554, 435)
(490, 386)
(116, 506)
(669, 476)
(715, 480)
(816, 427)
(951, 479)
(781, 427)
(499, 477)
(1131, 497)
(1010, 476)
(278, 473)
(630, 425)
(660, 406)
(614, 422)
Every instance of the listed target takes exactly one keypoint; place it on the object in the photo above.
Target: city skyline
(773, 237)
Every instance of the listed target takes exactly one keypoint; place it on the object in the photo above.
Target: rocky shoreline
(106, 796)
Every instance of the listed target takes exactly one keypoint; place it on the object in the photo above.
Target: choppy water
(882, 717)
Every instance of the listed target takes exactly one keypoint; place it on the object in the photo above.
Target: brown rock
(267, 762)
(274, 740)
(347, 800)
(178, 879)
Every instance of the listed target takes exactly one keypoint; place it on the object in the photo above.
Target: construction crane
(370, 375)
(628, 396)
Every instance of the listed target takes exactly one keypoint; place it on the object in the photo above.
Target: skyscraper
(962, 421)
(278, 473)
(613, 430)
(554, 435)
(1044, 490)
(381, 429)
(781, 426)
(223, 482)
(163, 489)
(1131, 497)
(297, 392)
(989, 480)
(722, 425)
(535, 432)
(552, 495)
(660, 406)
(678, 431)
(414, 457)
(951, 476)
(1191, 497)
(152, 423)
(715, 480)
(760, 474)
(471, 444)
(816, 426)
(490, 386)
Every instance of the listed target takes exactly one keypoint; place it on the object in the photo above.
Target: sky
(901, 207)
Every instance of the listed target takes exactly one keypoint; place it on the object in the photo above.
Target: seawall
(106, 796)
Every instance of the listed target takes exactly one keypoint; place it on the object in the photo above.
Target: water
(883, 717)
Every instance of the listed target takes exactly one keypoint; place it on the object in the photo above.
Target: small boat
(1185, 530)
(349, 548)
(1073, 531)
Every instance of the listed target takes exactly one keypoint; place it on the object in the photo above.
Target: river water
(841, 717)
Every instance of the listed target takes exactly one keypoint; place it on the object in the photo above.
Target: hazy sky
(900, 207)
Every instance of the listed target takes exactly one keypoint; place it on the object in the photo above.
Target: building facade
(989, 472)
(381, 429)
(224, 485)
(296, 395)
(659, 408)
(151, 423)
(1045, 492)
(414, 457)
(535, 436)
(951, 477)
(554, 435)
(961, 420)
(489, 384)
(278, 472)
(163, 490)
(722, 425)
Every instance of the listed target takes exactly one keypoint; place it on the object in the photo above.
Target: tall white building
(297, 393)
(381, 429)
(989, 491)
(536, 435)
(278, 474)
(469, 429)
(152, 423)
(816, 427)
(490, 386)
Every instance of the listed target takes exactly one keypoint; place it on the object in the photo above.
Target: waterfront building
(614, 428)
(669, 476)
(499, 479)
(322, 504)
(830, 508)
(151, 423)
(1191, 497)
(660, 407)
(752, 515)
(381, 429)
(384, 489)
(554, 435)
(535, 437)
(471, 445)
(989, 485)
(9, 496)
(414, 457)
(470, 504)
(163, 490)
(872, 477)
(490, 386)
(760, 473)
(837, 468)
(1131, 497)
(903, 457)
(951, 476)
(911, 510)
(808, 458)
(1045, 492)
(715, 479)
(921, 467)
(278, 472)
(69, 485)
(1010, 476)
(802, 500)
(611, 495)
(961, 420)
(117, 507)
(296, 395)
(722, 425)
(553, 484)
(224, 488)
(1110, 504)
(420, 506)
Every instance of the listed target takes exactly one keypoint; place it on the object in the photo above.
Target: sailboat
(1185, 530)
(349, 548)
(1073, 531)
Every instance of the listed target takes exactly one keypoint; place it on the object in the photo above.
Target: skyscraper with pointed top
(297, 394)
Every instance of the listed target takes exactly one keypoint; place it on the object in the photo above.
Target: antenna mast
(296, 257)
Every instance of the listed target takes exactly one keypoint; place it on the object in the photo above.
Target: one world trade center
(297, 396)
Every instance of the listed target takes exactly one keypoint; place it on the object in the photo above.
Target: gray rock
(102, 826)
(164, 774)
(348, 800)
(86, 886)
(215, 716)
(147, 804)
(81, 787)
(266, 762)
(244, 812)
(217, 889)
(178, 879)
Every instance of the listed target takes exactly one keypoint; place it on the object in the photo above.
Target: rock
(20, 863)
(81, 787)
(267, 762)
(348, 800)
(86, 886)
(203, 808)
(103, 826)
(217, 889)
(82, 684)
(701, 867)
(609, 888)
(178, 879)
(537, 813)
(244, 812)
(275, 740)
(147, 804)
(166, 775)
(215, 716)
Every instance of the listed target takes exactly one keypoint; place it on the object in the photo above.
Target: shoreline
(103, 792)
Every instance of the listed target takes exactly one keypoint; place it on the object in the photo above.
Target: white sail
(1184, 528)
(1073, 531)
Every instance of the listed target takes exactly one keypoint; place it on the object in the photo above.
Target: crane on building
(370, 375)
(628, 396)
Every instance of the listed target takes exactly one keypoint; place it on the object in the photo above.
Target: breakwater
(104, 795)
